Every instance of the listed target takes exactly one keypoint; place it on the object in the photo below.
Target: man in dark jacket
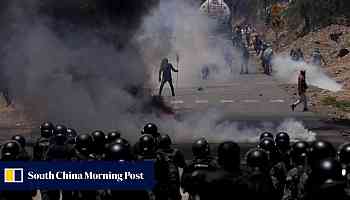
(165, 75)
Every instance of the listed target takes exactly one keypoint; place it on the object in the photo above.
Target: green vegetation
(343, 105)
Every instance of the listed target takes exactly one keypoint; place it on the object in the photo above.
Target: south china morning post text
(88, 175)
(77, 175)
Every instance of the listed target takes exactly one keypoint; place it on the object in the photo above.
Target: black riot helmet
(147, 144)
(164, 142)
(10, 151)
(112, 136)
(266, 135)
(83, 142)
(46, 129)
(60, 134)
(267, 144)
(99, 138)
(123, 141)
(229, 155)
(71, 133)
(344, 154)
(257, 158)
(60, 129)
(150, 129)
(328, 169)
(300, 152)
(321, 149)
(282, 141)
(20, 139)
(201, 148)
(117, 152)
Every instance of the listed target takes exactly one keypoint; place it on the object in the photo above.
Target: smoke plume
(287, 71)
(85, 72)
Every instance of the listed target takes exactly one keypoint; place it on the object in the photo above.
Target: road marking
(202, 101)
(226, 101)
(177, 102)
(250, 101)
(277, 101)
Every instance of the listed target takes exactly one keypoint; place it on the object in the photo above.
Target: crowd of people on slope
(245, 37)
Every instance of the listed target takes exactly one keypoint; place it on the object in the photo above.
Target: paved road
(247, 96)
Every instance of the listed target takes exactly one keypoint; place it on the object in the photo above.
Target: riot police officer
(169, 160)
(83, 148)
(71, 134)
(43, 143)
(229, 179)
(150, 129)
(120, 152)
(11, 151)
(22, 141)
(147, 148)
(59, 150)
(326, 181)
(99, 142)
(83, 152)
(282, 141)
(259, 181)
(195, 170)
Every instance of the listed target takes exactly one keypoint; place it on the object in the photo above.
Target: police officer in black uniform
(229, 179)
(148, 129)
(43, 143)
(71, 134)
(99, 143)
(169, 160)
(83, 152)
(59, 150)
(11, 151)
(22, 141)
(120, 152)
(194, 173)
(326, 181)
(259, 180)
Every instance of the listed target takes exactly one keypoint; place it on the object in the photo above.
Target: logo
(13, 175)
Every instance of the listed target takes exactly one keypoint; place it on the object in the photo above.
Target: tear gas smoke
(287, 71)
(176, 27)
(206, 125)
(75, 76)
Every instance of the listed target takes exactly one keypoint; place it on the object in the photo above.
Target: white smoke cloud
(287, 70)
(176, 27)
(208, 124)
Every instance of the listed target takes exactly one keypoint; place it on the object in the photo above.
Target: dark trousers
(171, 87)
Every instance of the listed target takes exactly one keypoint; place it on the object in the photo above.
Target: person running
(302, 87)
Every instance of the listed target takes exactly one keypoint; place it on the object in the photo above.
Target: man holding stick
(165, 75)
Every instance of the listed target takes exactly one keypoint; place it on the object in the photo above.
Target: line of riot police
(275, 169)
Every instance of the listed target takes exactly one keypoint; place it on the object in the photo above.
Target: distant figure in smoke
(245, 60)
(205, 72)
(300, 54)
(267, 55)
(302, 87)
(317, 58)
(258, 43)
(5, 90)
(165, 75)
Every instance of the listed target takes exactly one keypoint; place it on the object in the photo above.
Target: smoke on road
(208, 124)
(81, 75)
(178, 28)
(287, 70)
